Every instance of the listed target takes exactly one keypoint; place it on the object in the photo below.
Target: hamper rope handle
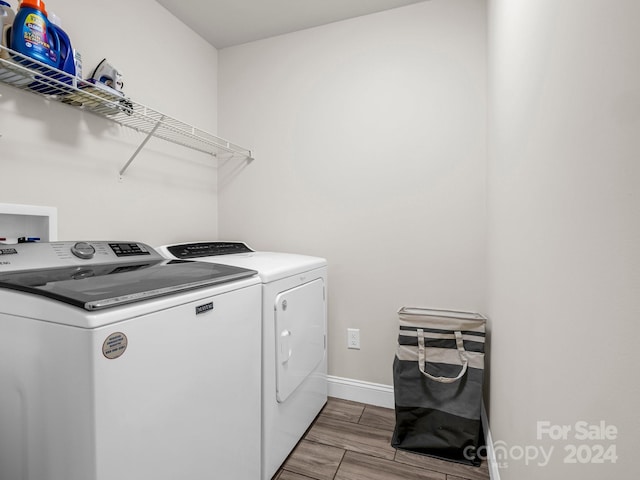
(461, 353)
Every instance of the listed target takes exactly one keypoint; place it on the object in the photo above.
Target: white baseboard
(363, 392)
(382, 396)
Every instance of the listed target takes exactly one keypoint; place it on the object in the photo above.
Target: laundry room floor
(352, 441)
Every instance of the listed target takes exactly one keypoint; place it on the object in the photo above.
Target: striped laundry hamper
(437, 376)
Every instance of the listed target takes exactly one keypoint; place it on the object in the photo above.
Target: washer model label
(204, 308)
(115, 345)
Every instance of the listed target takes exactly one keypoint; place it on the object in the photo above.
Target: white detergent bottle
(7, 15)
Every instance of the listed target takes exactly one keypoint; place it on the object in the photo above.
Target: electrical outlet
(353, 338)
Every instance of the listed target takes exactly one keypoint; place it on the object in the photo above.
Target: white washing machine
(117, 363)
(294, 353)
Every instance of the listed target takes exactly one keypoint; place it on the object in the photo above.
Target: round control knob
(83, 250)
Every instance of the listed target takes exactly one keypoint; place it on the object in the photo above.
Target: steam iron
(107, 75)
(106, 82)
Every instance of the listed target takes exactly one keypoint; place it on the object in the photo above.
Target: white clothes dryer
(294, 336)
(118, 363)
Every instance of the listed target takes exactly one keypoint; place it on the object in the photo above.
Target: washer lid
(94, 287)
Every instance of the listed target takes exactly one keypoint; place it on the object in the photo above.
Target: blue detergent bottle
(66, 62)
(33, 35)
(69, 61)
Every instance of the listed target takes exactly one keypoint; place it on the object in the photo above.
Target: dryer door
(300, 336)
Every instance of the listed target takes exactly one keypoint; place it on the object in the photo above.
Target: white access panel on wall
(299, 335)
(29, 221)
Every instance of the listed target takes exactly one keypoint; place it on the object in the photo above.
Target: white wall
(564, 228)
(51, 154)
(370, 145)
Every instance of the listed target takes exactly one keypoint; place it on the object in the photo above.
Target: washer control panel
(129, 249)
(41, 255)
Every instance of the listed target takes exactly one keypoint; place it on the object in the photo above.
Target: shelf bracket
(139, 149)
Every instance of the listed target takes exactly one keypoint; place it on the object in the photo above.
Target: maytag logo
(204, 308)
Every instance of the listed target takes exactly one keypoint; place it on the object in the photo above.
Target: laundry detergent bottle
(33, 35)
(69, 61)
(7, 16)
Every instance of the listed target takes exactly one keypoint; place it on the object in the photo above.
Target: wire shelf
(28, 74)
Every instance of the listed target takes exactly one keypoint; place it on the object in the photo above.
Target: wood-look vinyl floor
(352, 441)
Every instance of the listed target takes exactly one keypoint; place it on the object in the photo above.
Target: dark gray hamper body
(438, 375)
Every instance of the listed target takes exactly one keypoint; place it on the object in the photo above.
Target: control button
(83, 250)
